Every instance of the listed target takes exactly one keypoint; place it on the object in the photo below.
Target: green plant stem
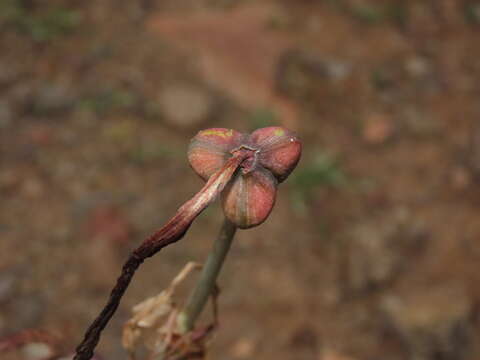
(206, 283)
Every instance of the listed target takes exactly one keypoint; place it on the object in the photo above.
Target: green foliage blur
(322, 169)
(41, 26)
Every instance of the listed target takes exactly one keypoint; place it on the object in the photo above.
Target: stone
(378, 128)
(244, 348)
(184, 105)
(433, 323)
(52, 98)
(300, 73)
(460, 178)
(417, 66)
(377, 249)
(37, 351)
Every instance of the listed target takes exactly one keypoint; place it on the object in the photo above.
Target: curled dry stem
(171, 232)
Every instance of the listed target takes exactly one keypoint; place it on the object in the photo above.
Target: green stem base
(206, 283)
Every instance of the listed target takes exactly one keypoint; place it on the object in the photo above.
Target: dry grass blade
(154, 320)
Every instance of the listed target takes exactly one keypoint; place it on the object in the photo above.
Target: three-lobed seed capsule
(272, 154)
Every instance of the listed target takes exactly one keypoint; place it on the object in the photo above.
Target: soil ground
(372, 250)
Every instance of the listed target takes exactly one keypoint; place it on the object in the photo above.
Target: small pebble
(53, 98)
(417, 66)
(460, 178)
(37, 351)
(378, 129)
(243, 348)
(185, 105)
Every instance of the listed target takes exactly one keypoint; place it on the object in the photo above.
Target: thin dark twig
(168, 234)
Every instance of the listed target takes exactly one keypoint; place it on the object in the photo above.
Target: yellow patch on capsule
(279, 132)
(221, 133)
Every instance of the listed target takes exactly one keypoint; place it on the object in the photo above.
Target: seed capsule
(280, 150)
(273, 153)
(249, 198)
(210, 149)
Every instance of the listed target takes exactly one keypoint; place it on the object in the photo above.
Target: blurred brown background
(372, 249)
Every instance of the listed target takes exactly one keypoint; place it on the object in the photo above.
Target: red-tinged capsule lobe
(249, 198)
(210, 148)
(269, 156)
(280, 150)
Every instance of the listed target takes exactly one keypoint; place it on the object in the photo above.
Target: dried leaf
(154, 319)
